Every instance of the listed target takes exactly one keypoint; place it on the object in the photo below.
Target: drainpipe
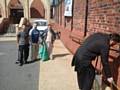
(5, 8)
(72, 14)
(86, 18)
(28, 9)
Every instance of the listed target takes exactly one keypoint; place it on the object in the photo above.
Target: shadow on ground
(60, 55)
(32, 61)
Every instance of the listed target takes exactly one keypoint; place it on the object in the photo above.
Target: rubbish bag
(43, 52)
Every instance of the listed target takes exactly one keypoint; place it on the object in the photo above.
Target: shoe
(39, 59)
(21, 64)
(51, 57)
(25, 62)
(17, 62)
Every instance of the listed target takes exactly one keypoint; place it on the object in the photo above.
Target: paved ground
(12, 76)
(54, 74)
(58, 74)
(7, 39)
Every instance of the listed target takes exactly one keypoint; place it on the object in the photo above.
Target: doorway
(15, 15)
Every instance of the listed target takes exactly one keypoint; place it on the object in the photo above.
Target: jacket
(95, 45)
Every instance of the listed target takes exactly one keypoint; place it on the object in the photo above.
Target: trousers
(23, 53)
(85, 77)
(50, 49)
(34, 51)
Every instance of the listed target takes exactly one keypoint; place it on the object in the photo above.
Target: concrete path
(8, 37)
(57, 74)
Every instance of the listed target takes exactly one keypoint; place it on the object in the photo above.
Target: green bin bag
(43, 52)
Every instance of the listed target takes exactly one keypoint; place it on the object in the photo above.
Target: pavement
(13, 76)
(56, 74)
(8, 37)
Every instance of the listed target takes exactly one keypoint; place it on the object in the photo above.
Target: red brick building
(89, 16)
(11, 11)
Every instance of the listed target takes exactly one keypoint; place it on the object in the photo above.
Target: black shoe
(25, 62)
(17, 62)
(21, 64)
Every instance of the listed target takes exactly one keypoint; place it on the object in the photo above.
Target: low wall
(4, 24)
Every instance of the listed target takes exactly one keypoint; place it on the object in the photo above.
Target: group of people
(97, 44)
(34, 38)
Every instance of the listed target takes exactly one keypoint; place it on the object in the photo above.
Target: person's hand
(110, 80)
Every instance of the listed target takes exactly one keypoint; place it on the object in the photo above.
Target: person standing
(97, 44)
(51, 36)
(27, 29)
(23, 45)
(34, 39)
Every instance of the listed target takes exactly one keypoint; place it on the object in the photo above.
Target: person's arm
(18, 36)
(27, 38)
(30, 32)
(105, 62)
(53, 35)
(45, 33)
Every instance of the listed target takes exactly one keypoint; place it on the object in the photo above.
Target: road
(12, 76)
(56, 74)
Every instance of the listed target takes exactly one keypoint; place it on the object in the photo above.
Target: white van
(42, 24)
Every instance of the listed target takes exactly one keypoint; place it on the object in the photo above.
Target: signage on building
(54, 2)
(68, 8)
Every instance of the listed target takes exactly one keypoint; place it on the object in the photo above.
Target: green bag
(40, 51)
(43, 52)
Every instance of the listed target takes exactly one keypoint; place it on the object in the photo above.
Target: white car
(42, 24)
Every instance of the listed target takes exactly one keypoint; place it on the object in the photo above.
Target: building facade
(88, 17)
(15, 9)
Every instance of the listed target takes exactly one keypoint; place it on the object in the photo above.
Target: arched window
(37, 9)
(16, 11)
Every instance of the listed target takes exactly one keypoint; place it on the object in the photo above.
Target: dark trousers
(23, 53)
(26, 51)
(86, 77)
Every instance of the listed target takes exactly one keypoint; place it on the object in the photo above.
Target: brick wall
(4, 23)
(37, 9)
(13, 3)
(79, 14)
(103, 16)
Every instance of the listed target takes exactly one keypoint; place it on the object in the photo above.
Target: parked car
(42, 24)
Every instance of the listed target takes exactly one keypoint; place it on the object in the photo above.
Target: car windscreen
(41, 23)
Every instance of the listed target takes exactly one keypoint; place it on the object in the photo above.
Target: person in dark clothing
(23, 45)
(95, 45)
(27, 29)
(34, 39)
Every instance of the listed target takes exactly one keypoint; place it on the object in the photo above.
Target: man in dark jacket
(34, 39)
(95, 45)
